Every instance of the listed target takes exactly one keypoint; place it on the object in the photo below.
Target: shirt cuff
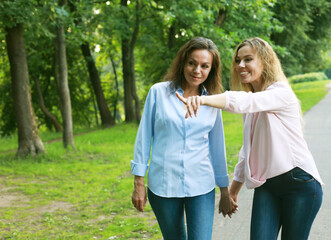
(238, 179)
(138, 169)
(222, 181)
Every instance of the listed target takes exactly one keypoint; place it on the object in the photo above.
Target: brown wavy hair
(175, 74)
(272, 69)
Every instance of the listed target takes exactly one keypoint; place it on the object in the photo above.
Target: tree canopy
(130, 44)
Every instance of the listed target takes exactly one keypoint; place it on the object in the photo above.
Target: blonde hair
(272, 69)
(175, 74)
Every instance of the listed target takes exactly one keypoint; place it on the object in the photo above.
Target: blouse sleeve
(218, 152)
(143, 143)
(273, 99)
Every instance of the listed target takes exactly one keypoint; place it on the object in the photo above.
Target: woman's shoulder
(164, 87)
(279, 85)
(160, 85)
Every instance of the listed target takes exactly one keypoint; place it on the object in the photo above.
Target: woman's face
(249, 67)
(197, 67)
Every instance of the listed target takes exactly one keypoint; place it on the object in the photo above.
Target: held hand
(139, 196)
(192, 103)
(227, 205)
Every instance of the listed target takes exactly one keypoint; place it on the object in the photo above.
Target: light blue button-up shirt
(188, 155)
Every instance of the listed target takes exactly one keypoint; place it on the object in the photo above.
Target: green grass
(82, 194)
(86, 193)
(310, 93)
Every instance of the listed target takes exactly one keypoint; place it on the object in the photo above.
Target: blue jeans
(199, 213)
(289, 201)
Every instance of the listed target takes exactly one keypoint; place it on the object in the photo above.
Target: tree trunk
(106, 118)
(172, 36)
(220, 17)
(117, 87)
(29, 141)
(61, 76)
(130, 91)
(105, 115)
(47, 113)
(128, 99)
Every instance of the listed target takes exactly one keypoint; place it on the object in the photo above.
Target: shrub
(308, 77)
(328, 72)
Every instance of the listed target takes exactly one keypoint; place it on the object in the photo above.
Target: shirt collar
(203, 90)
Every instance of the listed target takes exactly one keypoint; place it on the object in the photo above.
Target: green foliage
(299, 31)
(305, 34)
(310, 93)
(328, 72)
(169, 24)
(16, 12)
(308, 77)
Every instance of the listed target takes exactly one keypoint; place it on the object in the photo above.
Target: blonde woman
(274, 159)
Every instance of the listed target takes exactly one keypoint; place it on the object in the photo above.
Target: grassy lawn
(86, 194)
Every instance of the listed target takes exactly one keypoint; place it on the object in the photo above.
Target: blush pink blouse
(273, 139)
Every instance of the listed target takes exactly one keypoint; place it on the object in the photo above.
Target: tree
(29, 141)
(106, 118)
(128, 44)
(61, 76)
(12, 17)
(47, 113)
(305, 34)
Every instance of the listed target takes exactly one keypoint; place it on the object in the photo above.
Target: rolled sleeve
(138, 169)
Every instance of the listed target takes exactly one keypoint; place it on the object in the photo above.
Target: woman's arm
(139, 196)
(274, 99)
(142, 149)
(234, 190)
(193, 103)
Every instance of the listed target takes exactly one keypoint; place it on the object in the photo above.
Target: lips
(195, 78)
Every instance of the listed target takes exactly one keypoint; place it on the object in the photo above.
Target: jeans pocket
(299, 175)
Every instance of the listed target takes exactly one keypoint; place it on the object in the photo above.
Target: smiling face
(197, 68)
(249, 67)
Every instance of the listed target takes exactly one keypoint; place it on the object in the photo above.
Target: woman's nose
(197, 69)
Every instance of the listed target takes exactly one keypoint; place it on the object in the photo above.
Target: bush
(308, 77)
(328, 73)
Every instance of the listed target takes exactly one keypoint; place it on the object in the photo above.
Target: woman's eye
(248, 59)
(237, 61)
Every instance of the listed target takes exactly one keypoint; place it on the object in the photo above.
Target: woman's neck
(188, 92)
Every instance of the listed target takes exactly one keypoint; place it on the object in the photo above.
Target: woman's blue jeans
(289, 201)
(199, 212)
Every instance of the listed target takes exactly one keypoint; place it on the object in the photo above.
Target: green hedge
(308, 77)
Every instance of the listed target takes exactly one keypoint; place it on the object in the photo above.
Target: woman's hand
(227, 206)
(192, 103)
(139, 196)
